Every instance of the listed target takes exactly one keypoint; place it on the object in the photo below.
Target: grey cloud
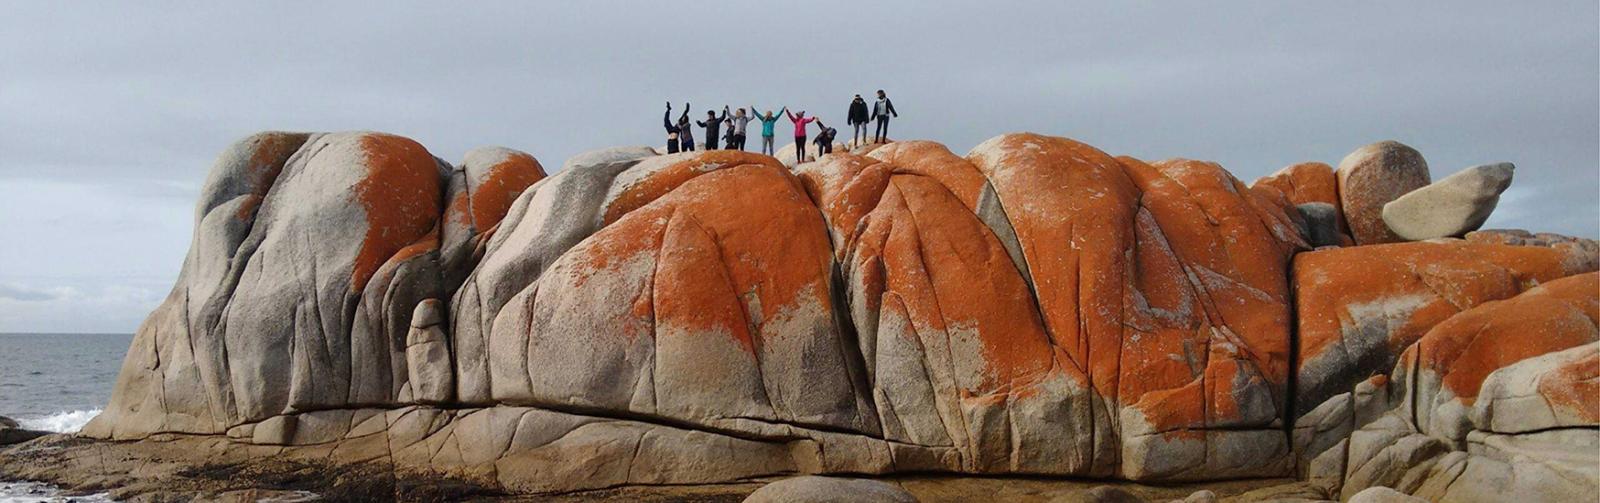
(24, 293)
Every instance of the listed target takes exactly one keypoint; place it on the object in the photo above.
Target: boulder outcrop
(1493, 404)
(1451, 207)
(1036, 307)
(1371, 177)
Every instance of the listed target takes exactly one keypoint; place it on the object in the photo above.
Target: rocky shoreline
(168, 468)
(359, 319)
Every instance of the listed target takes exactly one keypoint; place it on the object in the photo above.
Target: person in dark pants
(713, 125)
(736, 127)
(685, 130)
(858, 119)
(883, 109)
(824, 139)
(800, 121)
(672, 130)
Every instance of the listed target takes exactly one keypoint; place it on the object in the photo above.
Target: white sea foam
(60, 422)
(34, 492)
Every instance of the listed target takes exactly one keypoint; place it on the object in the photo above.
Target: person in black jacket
(713, 124)
(824, 139)
(858, 119)
(672, 130)
(882, 110)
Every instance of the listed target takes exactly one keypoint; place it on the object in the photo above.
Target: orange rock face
(1360, 307)
(1521, 340)
(1045, 274)
(1464, 349)
(1372, 176)
(401, 195)
(501, 185)
(1307, 182)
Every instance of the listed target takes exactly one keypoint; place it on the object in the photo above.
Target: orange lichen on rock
(1360, 307)
(270, 152)
(957, 280)
(500, 186)
(933, 160)
(1306, 182)
(1466, 348)
(401, 195)
(1209, 317)
(682, 168)
(769, 239)
(1574, 386)
(1073, 208)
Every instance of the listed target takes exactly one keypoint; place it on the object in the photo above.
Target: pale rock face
(542, 224)
(813, 489)
(431, 379)
(1371, 177)
(1451, 207)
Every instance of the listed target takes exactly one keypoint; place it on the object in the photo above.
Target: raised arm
(791, 116)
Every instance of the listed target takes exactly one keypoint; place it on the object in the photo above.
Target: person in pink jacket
(800, 121)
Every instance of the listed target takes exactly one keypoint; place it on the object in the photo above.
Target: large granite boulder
(311, 253)
(1371, 177)
(1036, 307)
(1451, 207)
(1359, 308)
(1493, 404)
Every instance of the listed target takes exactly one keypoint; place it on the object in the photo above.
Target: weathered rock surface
(1371, 177)
(1312, 187)
(1579, 253)
(1036, 307)
(1359, 308)
(1493, 404)
(812, 489)
(1451, 207)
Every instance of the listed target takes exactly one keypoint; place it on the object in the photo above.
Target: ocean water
(58, 382)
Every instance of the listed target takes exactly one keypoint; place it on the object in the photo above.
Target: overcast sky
(111, 113)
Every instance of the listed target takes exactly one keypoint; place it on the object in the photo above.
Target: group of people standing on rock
(730, 127)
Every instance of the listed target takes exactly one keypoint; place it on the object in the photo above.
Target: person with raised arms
(800, 121)
(767, 123)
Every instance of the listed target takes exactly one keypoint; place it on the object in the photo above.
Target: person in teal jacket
(768, 120)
